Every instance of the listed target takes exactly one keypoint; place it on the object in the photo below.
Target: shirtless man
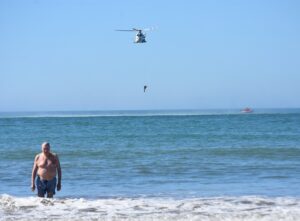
(45, 166)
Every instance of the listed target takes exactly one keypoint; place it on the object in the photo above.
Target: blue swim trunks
(45, 186)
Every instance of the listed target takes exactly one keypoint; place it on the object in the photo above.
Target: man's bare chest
(44, 162)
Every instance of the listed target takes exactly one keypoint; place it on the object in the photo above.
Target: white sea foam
(248, 208)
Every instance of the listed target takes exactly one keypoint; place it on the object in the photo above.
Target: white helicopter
(140, 37)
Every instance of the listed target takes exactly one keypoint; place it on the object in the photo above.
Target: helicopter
(140, 37)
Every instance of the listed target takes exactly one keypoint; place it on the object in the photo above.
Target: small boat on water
(247, 110)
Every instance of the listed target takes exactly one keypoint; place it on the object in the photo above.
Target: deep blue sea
(168, 157)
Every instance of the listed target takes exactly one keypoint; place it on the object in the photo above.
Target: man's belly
(46, 173)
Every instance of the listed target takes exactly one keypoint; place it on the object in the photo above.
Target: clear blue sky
(65, 55)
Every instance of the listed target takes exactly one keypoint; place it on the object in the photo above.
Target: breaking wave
(247, 208)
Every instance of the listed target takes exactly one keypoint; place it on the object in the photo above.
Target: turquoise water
(181, 154)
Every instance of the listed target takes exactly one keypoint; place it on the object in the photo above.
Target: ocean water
(153, 165)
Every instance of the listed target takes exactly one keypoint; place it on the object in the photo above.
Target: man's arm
(58, 173)
(33, 174)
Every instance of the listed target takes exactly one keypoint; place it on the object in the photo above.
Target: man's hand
(32, 187)
(58, 186)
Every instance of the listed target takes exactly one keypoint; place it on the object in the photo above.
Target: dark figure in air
(145, 87)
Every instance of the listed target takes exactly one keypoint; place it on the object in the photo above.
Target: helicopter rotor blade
(135, 29)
